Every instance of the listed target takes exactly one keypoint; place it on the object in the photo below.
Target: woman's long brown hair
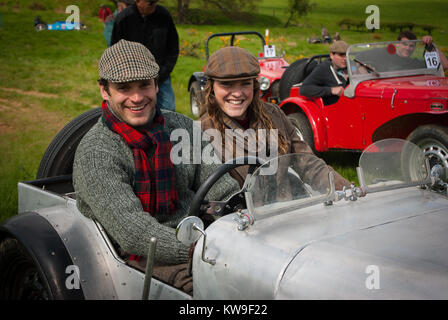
(255, 111)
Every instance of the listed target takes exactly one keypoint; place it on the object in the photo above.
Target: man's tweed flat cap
(232, 63)
(127, 61)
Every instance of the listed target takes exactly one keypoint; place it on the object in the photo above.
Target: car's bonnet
(324, 252)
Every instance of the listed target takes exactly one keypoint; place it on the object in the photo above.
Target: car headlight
(264, 83)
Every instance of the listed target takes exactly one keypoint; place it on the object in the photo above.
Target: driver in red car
(405, 49)
(330, 77)
(396, 57)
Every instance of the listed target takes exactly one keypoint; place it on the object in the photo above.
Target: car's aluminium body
(401, 103)
(331, 252)
(72, 253)
(293, 240)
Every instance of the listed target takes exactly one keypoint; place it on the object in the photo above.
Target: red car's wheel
(433, 140)
(195, 99)
(303, 128)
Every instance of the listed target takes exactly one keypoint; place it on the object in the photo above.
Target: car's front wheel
(19, 276)
(433, 140)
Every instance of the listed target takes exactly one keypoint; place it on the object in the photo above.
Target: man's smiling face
(405, 48)
(133, 102)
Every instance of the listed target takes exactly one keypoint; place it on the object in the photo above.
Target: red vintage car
(389, 96)
(272, 68)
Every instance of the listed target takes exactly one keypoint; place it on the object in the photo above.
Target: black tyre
(40, 27)
(58, 158)
(196, 98)
(412, 163)
(433, 140)
(275, 89)
(20, 278)
(303, 128)
(294, 74)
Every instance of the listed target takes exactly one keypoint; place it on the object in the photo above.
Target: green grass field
(47, 78)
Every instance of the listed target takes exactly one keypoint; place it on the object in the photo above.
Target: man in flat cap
(123, 173)
(329, 78)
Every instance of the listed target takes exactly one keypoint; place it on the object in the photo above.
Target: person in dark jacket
(152, 25)
(330, 77)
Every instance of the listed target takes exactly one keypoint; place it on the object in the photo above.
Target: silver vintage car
(283, 236)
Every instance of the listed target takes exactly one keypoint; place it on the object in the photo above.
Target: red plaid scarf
(154, 186)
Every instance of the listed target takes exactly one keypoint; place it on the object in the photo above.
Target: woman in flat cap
(233, 108)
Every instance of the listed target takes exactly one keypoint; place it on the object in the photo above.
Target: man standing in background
(152, 25)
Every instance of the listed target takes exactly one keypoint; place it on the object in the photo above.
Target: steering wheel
(222, 208)
(368, 67)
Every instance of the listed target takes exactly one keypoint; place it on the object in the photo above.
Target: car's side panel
(336, 126)
(344, 122)
(414, 101)
(103, 274)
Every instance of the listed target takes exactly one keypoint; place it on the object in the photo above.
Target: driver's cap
(339, 47)
(232, 63)
(127, 61)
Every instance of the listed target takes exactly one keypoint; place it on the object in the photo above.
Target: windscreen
(397, 57)
(392, 162)
(287, 183)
